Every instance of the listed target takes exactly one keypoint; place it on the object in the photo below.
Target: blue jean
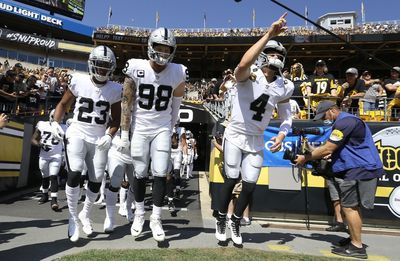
(369, 106)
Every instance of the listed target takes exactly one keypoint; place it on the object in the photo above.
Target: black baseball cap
(18, 65)
(320, 63)
(323, 107)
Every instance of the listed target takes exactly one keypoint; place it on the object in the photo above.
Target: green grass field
(215, 254)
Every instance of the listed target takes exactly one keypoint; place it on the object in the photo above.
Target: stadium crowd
(34, 90)
(30, 90)
(363, 94)
(367, 28)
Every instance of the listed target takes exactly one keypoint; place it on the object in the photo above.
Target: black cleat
(178, 194)
(54, 204)
(338, 227)
(43, 199)
(171, 206)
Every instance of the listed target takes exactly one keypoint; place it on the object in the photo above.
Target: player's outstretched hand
(279, 26)
(124, 144)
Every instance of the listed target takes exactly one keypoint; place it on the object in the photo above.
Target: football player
(259, 90)
(154, 88)
(173, 179)
(191, 153)
(95, 98)
(50, 158)
(119, 163)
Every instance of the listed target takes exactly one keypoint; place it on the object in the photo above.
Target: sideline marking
(281, 248)
(328, 253)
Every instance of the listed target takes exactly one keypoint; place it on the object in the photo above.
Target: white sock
(156, 212)
(139, 208)
(72, 194)
(122, 195)
(111, 200)
(89, 200)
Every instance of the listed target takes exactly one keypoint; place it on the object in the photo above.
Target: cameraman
(355, 159)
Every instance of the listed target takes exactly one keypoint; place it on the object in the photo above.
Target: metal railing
(18, 106)
(383, 112)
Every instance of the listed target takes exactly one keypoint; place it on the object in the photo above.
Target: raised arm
(242, 71)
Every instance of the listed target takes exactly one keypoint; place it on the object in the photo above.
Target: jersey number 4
(146, 94)
(88, 106)
(258, 105)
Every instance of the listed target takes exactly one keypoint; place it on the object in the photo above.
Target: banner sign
(276, 159)
(6, 6)
(387, 141)
(29, 13)
(119, 38)
(28, 39)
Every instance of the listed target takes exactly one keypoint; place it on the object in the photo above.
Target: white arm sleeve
(286, 117)
(176, 104)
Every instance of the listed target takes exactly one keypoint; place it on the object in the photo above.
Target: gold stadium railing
(386, 109)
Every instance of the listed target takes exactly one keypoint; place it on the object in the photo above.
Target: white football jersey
(52, 146)
(190, 145)
(253, 106)
(153, 105)
(92, 107)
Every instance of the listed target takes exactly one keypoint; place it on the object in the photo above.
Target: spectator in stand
(286, 73)
(19, 84)
(353, 89)
(52, 81)
(297, 76)
(43, 82)
(7, 95)
(373, 93)
(393, 82)
(294, 109)
(32, 99)
(54, 88)
(393, 92)
(214, 88)
(18, 68)
(3, 120)
(320, 84)
(228, 80)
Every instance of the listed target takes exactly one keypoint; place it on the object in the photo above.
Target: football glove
(57, 131)
(124, 144)
(104, 143)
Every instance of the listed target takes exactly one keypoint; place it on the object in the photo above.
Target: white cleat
(99, 201)
(235, 231)
(108, 225)
(73, 230)
(220, 229)
(86, 223)
(137, 225)
(122, 210)
(157, 229)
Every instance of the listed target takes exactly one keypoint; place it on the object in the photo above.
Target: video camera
(320, 167)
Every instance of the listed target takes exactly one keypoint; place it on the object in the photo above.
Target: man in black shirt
(393, 82)
(354, 89)
(7, 96)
